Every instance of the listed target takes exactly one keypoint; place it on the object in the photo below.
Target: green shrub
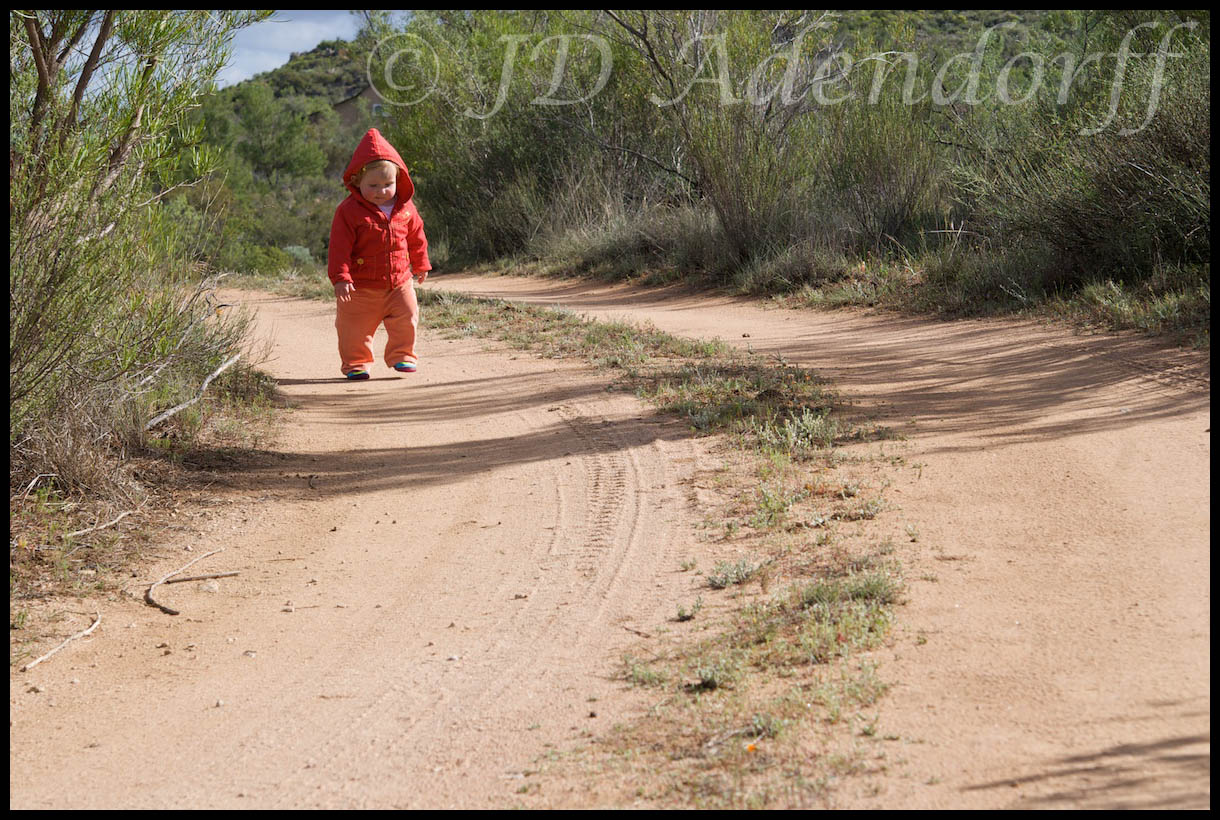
(1118, 204)
(108, 306)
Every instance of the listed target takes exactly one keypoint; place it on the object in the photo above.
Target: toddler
(377, 250)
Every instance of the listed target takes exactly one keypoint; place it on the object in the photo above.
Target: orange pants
(357, 321)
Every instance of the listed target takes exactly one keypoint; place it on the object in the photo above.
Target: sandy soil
(439, 573)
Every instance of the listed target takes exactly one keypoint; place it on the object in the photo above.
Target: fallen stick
(158, 419)
(148, 593)
(32, 664)
(202, 577)
(100, 526)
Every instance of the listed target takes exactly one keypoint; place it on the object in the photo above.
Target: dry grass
(55, 555)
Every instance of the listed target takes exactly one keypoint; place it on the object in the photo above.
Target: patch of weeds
(689, 564)
(798, 434)
(869, 729)
(725, 574)
(768, 726)
(684, 615)
(709, 675)
(642, 674)
(864, 512)
(865, 686)
(811, 522)
(773, 506)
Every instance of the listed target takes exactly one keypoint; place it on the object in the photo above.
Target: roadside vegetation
(969, 163)
(113, 317)
(865, 190)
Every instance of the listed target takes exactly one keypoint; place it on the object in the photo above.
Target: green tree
(276, 138)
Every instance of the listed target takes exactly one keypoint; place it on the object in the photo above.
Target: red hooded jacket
(366, 248)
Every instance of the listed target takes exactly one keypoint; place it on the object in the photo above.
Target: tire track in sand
(359, 705)
(588, 538)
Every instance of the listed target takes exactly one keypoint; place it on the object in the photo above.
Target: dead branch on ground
(202, 577)
(82, 634)
(148, 593)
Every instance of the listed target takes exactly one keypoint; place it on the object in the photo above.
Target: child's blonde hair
(376, 165)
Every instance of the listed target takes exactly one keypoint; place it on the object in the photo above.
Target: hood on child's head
(372, 147)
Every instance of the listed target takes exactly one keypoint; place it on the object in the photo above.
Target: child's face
(379, 185)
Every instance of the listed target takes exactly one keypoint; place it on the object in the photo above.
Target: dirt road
(1057, 635)
(439, 572)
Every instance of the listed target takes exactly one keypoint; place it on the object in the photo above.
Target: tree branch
(162, 417)
(80, 32)
(633, 152)
(87, 72)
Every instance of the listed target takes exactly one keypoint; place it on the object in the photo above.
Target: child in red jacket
(377, 249)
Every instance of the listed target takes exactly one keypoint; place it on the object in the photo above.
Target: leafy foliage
(106, 311)
(766, 150)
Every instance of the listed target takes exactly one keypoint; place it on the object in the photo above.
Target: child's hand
(343, 291)
(421, 276)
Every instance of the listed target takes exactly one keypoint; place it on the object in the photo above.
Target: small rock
(593, 714)
(250, 653)
(74, 681)
(454, 658)
(37, 690)
(209, 586)
(219, 703)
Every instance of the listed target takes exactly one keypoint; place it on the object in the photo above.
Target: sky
(268, 45)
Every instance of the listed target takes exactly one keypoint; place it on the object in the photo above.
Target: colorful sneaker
(405, 367)
(357, 375)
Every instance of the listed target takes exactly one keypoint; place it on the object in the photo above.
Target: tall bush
(105, 311)
(1111, 185)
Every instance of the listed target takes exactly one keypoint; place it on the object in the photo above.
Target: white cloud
(268, 45)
